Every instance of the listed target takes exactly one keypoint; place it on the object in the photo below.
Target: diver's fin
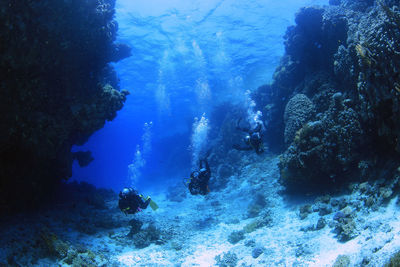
(186, 181)
(153, 205)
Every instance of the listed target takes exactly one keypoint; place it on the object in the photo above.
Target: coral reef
(298, 110)
(332, 141)
(57, 89)
(343, 61)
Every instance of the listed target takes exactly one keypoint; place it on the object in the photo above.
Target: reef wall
(341, 65)
(56, 90)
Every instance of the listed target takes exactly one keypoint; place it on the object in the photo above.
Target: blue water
(187, 58)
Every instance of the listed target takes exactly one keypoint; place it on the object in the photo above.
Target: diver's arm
(143, 204)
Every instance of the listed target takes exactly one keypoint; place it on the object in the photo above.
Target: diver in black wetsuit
(199, 179)
(131, 202)
(253, 139)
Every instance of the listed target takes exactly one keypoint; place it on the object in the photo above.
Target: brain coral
(298, 111)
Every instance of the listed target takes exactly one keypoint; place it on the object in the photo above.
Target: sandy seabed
(248, 223)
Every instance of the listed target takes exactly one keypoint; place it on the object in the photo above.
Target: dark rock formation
(56, 90)
(345, 58)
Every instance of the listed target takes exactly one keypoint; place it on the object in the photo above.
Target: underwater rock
(52, 245)
(364, 187)
(320, 224)
(136, 225)
(342, 261)
(370, 202)
(304, 211)
(176, 245)
(385, 192)
(335, 202)
(88, 258)
(394, 260)
(83, 157)
(256, 252)
(235, 237)
(345, 226)
(228, 259)
(324, 199)
(250, 243)
(346, 229)
(302, 250)
(324, 209)
(54, 57)
(251, 227)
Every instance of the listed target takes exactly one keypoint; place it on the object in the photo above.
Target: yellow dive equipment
(153, 205)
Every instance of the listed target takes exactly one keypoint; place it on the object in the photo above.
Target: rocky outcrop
(345, 58)
(56, 90)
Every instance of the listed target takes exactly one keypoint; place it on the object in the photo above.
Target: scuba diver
(130, 202)
(198, 181)
(253, 139)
